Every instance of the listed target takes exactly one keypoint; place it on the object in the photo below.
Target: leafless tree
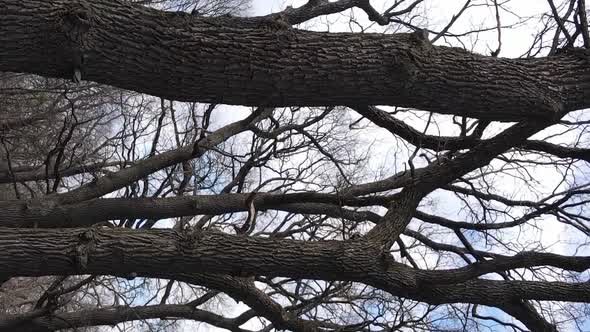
(136, 197)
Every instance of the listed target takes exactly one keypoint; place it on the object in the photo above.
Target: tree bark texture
(27, 214)
(265, 62)
(159, 253)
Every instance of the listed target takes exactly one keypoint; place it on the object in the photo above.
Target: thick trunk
(159, 253)
(264, 62)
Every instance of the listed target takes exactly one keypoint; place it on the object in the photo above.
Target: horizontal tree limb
(123, 252)
(18, 213)
(249, 61)
(114, 315)
(25, 174)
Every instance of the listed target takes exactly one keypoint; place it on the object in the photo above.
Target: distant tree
(134, 196)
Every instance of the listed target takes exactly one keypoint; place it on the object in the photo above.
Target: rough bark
(17, 213)
(265, 62)
(122, 252)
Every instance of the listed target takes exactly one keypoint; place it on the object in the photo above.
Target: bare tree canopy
(376, 172)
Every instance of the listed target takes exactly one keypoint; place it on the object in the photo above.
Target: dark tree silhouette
(137, 178)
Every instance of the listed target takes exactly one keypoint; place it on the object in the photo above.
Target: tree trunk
(159, 253)
(253, 61)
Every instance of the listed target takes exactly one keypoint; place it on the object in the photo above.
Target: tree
(282, 209)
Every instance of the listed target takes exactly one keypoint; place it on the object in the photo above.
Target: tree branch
(291, 68)
(114, 315)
